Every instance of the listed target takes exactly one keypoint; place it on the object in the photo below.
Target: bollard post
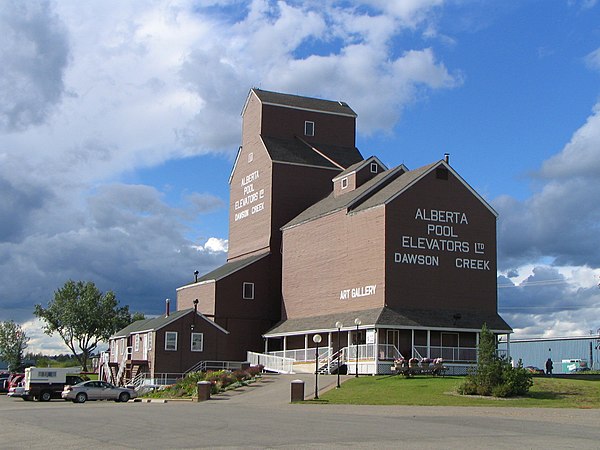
(297, 393)
(203, 390)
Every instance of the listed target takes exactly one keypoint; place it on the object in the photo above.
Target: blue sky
(119, 123)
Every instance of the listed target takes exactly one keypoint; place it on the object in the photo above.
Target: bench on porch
(414, 367)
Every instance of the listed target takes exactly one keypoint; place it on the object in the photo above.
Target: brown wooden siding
(204, 292)
(286, 123)
(328, 257)
(440, 285)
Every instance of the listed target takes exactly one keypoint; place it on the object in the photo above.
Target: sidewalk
(275, 389)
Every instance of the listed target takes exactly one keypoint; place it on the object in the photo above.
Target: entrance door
(392, 337)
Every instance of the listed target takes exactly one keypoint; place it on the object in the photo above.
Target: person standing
(549, 367)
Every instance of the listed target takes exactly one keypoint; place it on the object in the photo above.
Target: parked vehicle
(534, 369)
(46, 383)
(17, 391)
(97, 390)
(14, 380)
(3, 381)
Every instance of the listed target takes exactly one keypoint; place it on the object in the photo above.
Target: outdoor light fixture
(357, 322)
(339, 326)
(195, 314)
(317, 341)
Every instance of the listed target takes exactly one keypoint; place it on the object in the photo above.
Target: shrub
(494, 375)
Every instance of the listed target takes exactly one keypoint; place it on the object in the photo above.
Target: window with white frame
(250, 157)
(344, 182)
(149, 340)
(248, 291)
(374, 167)
(171, 341)
(197, 344)
(309, 128)
(136, 342)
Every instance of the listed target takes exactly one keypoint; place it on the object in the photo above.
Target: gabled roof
(227, 269)
(296, 151)
(331, 203)
(300, 102)
(156, 323)
(387, 317)
(401, 184)
(356, 167)
(380, 190)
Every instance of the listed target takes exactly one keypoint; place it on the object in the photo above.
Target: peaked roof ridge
(359, 165)
(300, 102)
(331, 203)
(388, 177)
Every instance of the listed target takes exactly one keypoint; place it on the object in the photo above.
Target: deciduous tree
(83, 316)
(13, 342)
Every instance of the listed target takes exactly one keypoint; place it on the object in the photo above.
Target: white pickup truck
(46, 383)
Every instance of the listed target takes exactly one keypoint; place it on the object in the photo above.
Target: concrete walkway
(275, 389)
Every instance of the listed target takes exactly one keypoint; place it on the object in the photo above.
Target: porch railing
(467, 354)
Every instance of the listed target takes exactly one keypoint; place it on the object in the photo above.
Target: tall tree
(83, 316)
(13, 342)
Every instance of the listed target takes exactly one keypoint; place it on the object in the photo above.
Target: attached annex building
(379, 262)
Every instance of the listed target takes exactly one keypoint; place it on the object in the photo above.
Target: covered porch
(369, 341)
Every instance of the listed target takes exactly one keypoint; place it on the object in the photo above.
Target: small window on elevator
(248, 291)
(344, 183)
(309, 128)
(374, 167)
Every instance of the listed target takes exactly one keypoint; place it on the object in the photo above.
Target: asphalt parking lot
(262, 417)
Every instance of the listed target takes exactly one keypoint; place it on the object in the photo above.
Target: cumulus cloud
(93, 93)
(558, 224)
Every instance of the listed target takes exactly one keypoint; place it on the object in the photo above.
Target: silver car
(97, 390)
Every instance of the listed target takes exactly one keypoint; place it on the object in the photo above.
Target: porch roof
(388, 318)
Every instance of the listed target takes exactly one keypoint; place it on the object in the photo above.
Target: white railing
(272, 363)
(138, 380)
(300, 355)
(388, 351)
(104, 371)
(126, 356)
(218, 365)
(447, 353)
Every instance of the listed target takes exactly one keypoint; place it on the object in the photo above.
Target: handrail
(139, 379)
(126, 357)
(271, 362)
(219, 365)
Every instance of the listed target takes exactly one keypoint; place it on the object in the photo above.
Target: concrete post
(297, 394)
(203, 390)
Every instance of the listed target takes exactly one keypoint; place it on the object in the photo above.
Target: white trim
(344, 182)
(199, 283)
(136, 342)
(458, 177)
(320, 153)
(389, 327)
(370, 159)
(276, 161)
(374, 165)
(309, 124)
(247, 283)
(201, 342)
(167, 333)
(237, 157)
(294, 107)
(250, 157)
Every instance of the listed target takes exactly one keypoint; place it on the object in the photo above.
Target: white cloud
(593, 60)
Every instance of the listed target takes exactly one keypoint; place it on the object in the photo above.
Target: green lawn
(441, 391)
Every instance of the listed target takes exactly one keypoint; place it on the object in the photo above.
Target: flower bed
(220, 380)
